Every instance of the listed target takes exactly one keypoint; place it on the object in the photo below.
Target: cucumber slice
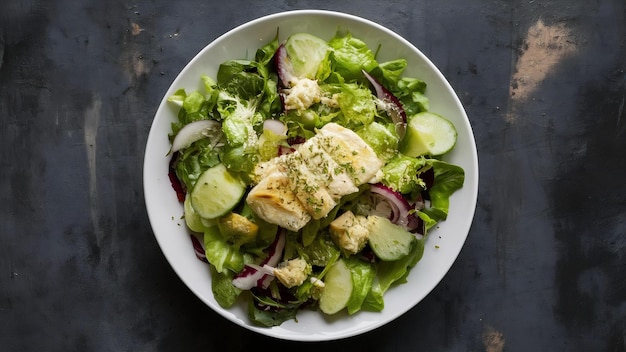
(428, 133)
(306, 52)
(387, 240)
(208, 222)
(192, 219)
(216, 192)
(337, 288)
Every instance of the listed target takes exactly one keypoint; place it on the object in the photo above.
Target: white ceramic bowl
(443, 244)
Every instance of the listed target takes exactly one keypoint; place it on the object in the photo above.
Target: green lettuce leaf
(194, 107)
(240, 159)
(350, 56)
(382, 139)
(178, 97)
(247, 94)
(389, 73)
(192, 161)
(319, 252)
(411, 93)
(448, 179)
(363, 274)
(392, 71)
(271, 317)
(223, 290)
(400, 173)
(356, 105)
(429, 222)
(390, 273)
(270, 104)
(220, 253)
(241, 78)
(265, 54)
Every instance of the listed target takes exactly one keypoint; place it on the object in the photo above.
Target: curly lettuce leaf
(355, 102)
(243, 87)
(192, 161)
(400, 173)
(239, 120)
(178, 97)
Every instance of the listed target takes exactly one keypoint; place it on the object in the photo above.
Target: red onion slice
(198, 249)
(283, 67)
(393, 106)
(403, 213)
(400, 207)
(177, 185)
(192, 132)
(276, 249)
(416, 225)
(293, 142)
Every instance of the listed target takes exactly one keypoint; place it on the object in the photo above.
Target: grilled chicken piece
(307, 184)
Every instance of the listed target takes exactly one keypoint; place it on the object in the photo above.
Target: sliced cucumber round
(216, 192)
(192, 219)
(428, 133)
(306, 52)
(387, 240)
(337, 288)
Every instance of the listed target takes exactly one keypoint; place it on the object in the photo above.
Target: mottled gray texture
(544, 265)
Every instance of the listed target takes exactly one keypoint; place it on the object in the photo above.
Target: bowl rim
(473, 177)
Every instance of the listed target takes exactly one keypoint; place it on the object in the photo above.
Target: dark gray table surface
(543, 268)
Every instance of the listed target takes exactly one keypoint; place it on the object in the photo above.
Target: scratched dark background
(543, 82)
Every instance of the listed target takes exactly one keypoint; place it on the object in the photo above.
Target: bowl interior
(444, 243)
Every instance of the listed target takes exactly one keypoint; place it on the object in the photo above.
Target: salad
(310, 176)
